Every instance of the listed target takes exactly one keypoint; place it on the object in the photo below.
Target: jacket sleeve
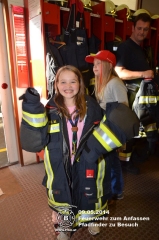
(146, 107)
(34, 125)
(118, 125)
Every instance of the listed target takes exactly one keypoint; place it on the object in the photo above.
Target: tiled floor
(26, 215)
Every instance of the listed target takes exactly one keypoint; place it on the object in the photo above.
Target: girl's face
(97, 67)
(68, 86)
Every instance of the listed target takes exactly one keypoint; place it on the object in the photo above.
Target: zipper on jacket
(84, 136)
(64, 142)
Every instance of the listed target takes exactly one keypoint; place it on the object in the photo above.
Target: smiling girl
(74, 116)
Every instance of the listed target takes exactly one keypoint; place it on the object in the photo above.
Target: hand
(148, 74)
(54, 217)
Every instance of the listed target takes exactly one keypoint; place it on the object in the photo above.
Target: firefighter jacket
(84, 186)
(146, 106)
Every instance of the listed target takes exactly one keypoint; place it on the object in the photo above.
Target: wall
(151, 6)
(131, 4)
(10, 127)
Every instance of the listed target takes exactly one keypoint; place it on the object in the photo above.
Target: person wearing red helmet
(109, 88)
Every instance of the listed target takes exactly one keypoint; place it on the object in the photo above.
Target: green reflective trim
(148, 99)
(52, 128)
(35, 120)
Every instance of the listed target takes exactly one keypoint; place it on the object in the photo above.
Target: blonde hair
(80, 101)
(107, 71)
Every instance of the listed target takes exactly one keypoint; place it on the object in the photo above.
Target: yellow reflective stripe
(107, 139)
(92, 81)
(84, 71)
(148, 99)
(142, 134)
(100, 176)
(49, 172)
(52, 128)
(87, 92)
(124, 156)
(50, 178)
(150, 127)
(104, 118)
(98, 205)
(57, 204)
(35, 120)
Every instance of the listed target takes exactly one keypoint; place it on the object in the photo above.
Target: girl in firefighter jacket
(77, 176)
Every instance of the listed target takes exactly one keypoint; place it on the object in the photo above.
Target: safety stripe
(125, 156)
(100, 177)
(35, 120)
(50, 178)
(82, 217)
(148, 99)
(87, 91)
(92, 81)
(52, 128)
(49, 172)
(107, 139)
(98, 205)
(84, 71)
(151, 127)
(54, 204)
(142, 134)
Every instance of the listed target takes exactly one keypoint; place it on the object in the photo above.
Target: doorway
(3, 149)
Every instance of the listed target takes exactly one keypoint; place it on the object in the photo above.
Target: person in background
(109, 88)
(133, 66)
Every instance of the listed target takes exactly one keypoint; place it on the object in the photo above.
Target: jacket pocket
(31, 139)
(60, 195)
(90, 190)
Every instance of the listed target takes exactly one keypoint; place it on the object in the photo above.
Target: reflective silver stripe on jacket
(107, 139)
(35, 120)
(148, 99)
(54, 128)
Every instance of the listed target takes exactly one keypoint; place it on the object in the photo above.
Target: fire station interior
(24, 211)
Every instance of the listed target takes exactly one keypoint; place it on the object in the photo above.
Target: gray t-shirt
(115, 91)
